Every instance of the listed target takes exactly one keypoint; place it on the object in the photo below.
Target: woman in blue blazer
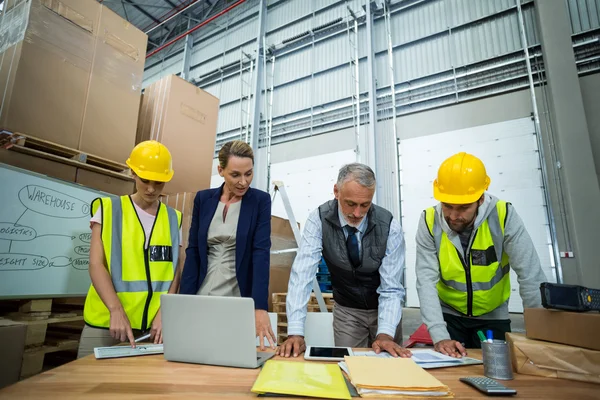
(230, 238)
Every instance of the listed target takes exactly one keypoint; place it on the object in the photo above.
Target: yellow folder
(302, 379)
(393, 376)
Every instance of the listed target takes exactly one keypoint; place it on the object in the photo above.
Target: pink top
(146, 219)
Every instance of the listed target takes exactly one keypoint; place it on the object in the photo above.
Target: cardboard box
(553, 360)
(572, 328)
(282, 238)
(113, 101)
(12, 345)
(105, 183)
(40, 165)
(184, 118)
(47, 49)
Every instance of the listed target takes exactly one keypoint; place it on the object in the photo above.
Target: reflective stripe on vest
(483, 284)
(139, 273)
(116, 256)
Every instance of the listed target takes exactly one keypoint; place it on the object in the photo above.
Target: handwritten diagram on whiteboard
(44, 235)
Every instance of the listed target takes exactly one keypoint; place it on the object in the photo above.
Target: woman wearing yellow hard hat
(131, 236)
(230, 238)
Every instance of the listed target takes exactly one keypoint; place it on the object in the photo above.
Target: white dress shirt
(391, 292)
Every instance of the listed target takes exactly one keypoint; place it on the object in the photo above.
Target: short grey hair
(360, 173)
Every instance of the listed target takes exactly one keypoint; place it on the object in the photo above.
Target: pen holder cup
(496, 360)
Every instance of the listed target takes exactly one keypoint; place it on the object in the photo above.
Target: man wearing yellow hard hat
(466, 246)
(131, 236)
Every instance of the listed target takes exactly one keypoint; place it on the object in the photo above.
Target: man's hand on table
(293, 346)
(450, 348)
(385, 342)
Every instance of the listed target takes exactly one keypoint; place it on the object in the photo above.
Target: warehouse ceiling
(163, 20)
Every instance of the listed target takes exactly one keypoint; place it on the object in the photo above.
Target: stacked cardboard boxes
(71, 73)
(184, 118)
(558, 344)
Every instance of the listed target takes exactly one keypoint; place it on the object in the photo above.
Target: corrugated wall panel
(489, 39)
(285, 12)
(464, 11)
(333, 85)
(291, 98)
(418, 22)
(288, 32)
(292, 66)
(214, 89)
(585, 14)
(380, 35)
(382, 70)
(530, 26)
(167, 67)
(242, 33)
(232, 89)
(362, 74)
(331, 53)
(229, 117)
(422, 59)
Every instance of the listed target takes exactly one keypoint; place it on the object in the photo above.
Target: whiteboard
(44, 235)
(509, 151)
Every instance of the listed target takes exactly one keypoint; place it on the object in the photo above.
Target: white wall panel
(509, 151)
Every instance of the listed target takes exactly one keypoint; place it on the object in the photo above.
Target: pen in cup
(481, 336)
(490, 336)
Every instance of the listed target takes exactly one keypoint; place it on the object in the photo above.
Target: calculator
(488, 386)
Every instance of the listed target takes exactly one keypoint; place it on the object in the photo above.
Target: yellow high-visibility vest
(481, 283)
(139, 274)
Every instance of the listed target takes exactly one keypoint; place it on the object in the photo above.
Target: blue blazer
(253, 244)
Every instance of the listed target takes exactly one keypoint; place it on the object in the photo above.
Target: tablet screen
(328, 352)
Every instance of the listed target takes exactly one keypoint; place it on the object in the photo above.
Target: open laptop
(210, 330)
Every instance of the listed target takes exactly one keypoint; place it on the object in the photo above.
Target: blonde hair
(237, 148)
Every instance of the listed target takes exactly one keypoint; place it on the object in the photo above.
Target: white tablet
(327, 353)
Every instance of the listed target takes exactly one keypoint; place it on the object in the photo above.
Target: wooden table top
(153, 377)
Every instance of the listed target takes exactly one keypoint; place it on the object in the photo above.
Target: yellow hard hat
(461, 179)
(151, 160)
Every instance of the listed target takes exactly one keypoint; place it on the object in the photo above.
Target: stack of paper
(426, 358)
(298, 378)
(376, 376)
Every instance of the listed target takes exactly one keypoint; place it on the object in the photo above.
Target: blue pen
(490, 336)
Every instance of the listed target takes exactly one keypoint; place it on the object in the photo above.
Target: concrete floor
(411, 320)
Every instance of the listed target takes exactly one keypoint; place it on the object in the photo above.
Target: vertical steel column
(371, 134)
(542, 158)
(187, 53)
(260, 172)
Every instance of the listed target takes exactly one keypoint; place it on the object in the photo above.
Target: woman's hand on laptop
(264, 329)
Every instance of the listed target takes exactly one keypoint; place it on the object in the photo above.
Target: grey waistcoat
(355, 288)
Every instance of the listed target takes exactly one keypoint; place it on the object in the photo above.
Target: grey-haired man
(363, 246)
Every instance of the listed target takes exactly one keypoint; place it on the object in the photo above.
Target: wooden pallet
(279, 300)
(26, 144)
(50, 327)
